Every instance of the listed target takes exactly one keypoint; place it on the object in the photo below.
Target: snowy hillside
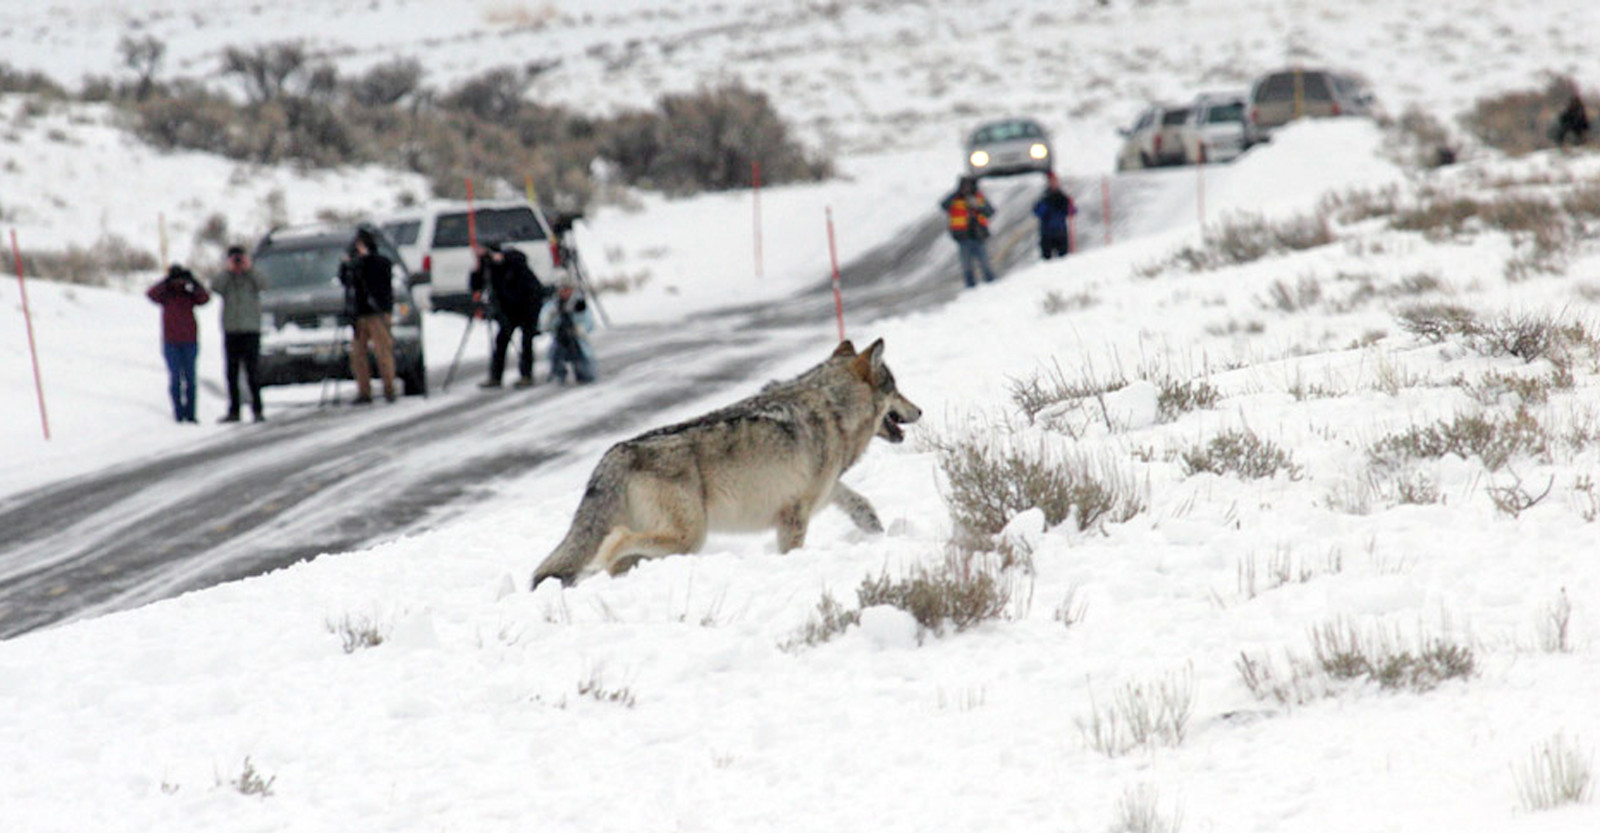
(1349, 428)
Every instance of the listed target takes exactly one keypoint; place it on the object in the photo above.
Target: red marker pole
(1200, 186)
(1105, 206)
(33, 350)
(1072, 232)
(755, 190)
(833, 254)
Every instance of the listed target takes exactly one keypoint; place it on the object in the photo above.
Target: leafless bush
(1342, 653)
(1248, 238)
(357, 633)
(1180, 397)
(1239, 451)
(1555, 626)
(1528, 337)
(1142, 714)
(1493, 439)
(1138, 811)
(385, 84)
(1519, 121)
(250, 781)
(1438, 321)
(962, 590)
(1045, 390)
(1554, 775)
(1302, 296)
(1055, 303)
(830, 619)
(595, 688)
(142, 55)
(990, 484)
(92, 266)
(1513, 499)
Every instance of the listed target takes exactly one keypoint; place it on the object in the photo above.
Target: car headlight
(1038, 150)
(979, 158)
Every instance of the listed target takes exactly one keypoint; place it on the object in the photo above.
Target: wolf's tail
(598, 512)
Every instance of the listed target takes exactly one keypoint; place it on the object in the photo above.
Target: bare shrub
(962, 590)
(1438, 321)
(1555, 774)
(250, 782)
(357, 633)
(830, 619)
(1142, 714)
(1528, 337)
(1302, 296)
(1248, 238)
(1513, 499)
(1138, 811)
(1555, 626)
(595, 688)
(92, 266)
(142, 55)
(1519, 121)
(1055, 303)
(1180, 397)
(989, 485)
(1239, 451)
(1421, 140)
(1345, 652)
(1046, 390)
(387, 83)
(1492, 439)
(1071, 610)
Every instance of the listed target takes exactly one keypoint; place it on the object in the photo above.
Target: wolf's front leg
(792, 522)
(857, 507)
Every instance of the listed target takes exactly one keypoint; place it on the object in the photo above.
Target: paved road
(314, 481)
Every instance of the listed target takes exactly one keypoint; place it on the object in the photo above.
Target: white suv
(434, 240)
(1218, 129)
(1155, 139)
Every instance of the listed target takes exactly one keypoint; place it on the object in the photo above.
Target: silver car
(1009, 146)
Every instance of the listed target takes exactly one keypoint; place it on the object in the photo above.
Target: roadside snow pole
(161, 222)
(1200, 183)
(1072, 232)
(833, 255)
(33, 350)
(1105, 206)
(755, 191)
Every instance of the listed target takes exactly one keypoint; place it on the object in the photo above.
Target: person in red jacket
(178, 294)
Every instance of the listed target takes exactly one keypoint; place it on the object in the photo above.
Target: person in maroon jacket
(178, 294)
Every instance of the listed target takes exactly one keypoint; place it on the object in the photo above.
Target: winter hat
(235, 249)
(176, 272)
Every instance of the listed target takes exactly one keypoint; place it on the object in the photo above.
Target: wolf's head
(895, 409)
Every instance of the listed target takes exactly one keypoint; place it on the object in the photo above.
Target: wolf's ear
(844, 350)
(865, 365)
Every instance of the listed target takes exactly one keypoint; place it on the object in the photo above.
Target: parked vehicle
(305, 335)
(1278, 98)
(1155, 139)
(1008, 146)
(1217, 130)
(435, 240)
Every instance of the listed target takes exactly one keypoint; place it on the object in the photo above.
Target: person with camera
(514, 296)
(967, 212)
(240, 289)
(567, 317)
(179, 293)
(368, 279)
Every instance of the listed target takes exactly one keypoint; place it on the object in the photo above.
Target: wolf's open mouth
(890, 429)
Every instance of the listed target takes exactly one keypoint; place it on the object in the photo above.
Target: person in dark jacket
(514, 296)
(1574, 122)
(968, 211)
(368, 279)
(178, 294)
(1054, 210)
(239, 287)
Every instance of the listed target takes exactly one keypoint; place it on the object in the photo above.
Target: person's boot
(524, 382)
(233, 416)
(489, 383)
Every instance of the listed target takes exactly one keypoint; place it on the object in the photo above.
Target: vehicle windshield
(403, 233)
(301, 265)
(1225, 113)
(1176, 116)
(1007, 131)
(499, 224)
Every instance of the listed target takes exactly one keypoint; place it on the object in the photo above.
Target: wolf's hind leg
(625, 548)
(857, 507)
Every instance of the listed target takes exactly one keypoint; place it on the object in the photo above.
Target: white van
(434, 240)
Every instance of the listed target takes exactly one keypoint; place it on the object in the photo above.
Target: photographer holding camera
(567, 315)
(368, 279)
(179, 293)
(240, 289)
(514, 297)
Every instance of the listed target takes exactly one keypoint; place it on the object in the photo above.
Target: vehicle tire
(1145, 161)
(415, 380)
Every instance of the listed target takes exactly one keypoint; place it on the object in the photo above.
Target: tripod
(332, 375)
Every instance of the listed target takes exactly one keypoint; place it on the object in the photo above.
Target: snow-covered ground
(661, 700)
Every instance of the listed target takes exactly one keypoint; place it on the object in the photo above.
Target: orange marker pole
(1105, 206)
(472, 219)
(833, 254)
(33, 350)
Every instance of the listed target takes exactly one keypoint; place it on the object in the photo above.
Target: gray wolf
(768, 461)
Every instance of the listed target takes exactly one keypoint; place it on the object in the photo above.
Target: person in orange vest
(968, 211)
